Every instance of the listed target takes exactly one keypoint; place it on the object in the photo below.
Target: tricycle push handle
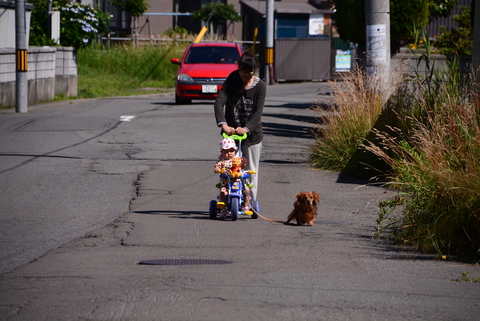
(235, 137)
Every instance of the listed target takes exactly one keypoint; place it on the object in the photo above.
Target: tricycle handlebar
(235, 137)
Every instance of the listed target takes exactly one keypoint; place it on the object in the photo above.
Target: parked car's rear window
(212, 55)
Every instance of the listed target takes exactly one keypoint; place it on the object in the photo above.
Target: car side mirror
(175, 61)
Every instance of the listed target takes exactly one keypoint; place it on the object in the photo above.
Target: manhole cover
(183, 262)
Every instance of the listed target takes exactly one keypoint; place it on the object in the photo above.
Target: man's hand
(241, 130)
(227, 129)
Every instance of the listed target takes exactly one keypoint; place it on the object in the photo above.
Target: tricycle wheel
(256, 209)
(234, 209)
(213, 210)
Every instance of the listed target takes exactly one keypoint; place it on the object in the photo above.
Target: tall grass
(126, 70)
(357, 104)
(430, 150)
(437, 166)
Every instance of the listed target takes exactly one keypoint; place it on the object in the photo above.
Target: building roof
(284, 7)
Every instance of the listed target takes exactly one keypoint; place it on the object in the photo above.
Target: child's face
(228, 153)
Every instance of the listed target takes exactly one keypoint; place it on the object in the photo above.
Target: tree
(217, 14)
(350, 21)
(441, 8)
(38, 25)
(405, 17)
(135, 8)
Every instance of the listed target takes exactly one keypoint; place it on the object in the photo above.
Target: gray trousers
(252, 154)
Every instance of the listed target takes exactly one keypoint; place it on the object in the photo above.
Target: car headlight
(184, 77)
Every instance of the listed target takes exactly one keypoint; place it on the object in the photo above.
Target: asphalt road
(90, 188)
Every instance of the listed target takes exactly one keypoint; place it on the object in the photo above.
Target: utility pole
(49, 19)
(269, 35)
(377, 17)
(21, 92)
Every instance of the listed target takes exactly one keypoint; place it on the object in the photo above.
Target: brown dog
(304, 208)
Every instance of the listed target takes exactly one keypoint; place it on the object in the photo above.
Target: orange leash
(265, 218)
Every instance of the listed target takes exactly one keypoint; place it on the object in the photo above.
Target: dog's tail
(265, 218)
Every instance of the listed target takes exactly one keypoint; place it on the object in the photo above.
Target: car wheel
(182, 101)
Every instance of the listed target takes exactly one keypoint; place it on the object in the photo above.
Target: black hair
(247, 62)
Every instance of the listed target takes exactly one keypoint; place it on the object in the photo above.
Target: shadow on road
(179, 214)
(305, 119)
(284, 130)
(293, 105)
(386, 249)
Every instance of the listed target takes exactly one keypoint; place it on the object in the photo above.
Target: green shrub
(457, 41)
(80, 24)
(176, 33)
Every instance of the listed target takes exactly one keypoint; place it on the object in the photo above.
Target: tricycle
(236, 190)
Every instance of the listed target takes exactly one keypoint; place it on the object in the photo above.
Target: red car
(203, 69)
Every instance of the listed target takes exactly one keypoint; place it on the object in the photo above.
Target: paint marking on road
(126, 118)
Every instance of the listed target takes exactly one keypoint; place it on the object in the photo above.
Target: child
(228, 149)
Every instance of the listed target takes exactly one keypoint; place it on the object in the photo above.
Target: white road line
(126, 118)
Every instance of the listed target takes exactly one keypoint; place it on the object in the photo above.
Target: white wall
(7, 27)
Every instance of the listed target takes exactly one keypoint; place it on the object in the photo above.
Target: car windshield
(212, 55)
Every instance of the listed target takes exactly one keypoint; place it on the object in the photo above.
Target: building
(165, 14)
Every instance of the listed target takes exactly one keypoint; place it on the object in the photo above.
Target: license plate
(209, 89)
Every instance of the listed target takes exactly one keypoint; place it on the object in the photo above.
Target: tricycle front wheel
(234, 209)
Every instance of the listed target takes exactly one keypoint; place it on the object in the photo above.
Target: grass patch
(124, 70)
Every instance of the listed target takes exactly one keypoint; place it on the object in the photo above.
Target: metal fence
(303, 59)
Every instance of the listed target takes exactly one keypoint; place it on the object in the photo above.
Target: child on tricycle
(234, 198)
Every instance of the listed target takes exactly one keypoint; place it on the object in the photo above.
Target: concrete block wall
(66, 72)
(7, 77)
(413, 64)
(51, 71)
(408, 62)
(41, 74)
